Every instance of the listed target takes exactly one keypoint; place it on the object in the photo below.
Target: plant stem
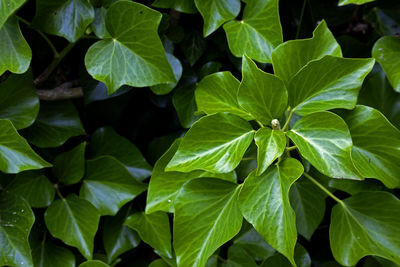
(288, 120)
(259, 123)
(323, 188)
(290, 148)
(58, 191)
(301, 18)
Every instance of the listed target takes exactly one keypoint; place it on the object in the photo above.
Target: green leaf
(185, 105)
(15, 53)
(217, 92)
(301, 257)
(238, 256)
(134, 56)
(74, 221)
(105, 141)
(366, 224)
(19, 102)
(16, 221)
(301, 52)
(153, 229)
(209, 140)
(206, 216)
(324, 140)
(356, 2)
(162, 89)
(255, 245)
(271, 145)
(193, 46)
(387, 52)
(262, 94)
(159, 263)
(16, 155)
(65, 18)
(376, 145)
(328, 83)
(264, 202)
(47, 254)
(69, 167)
(93, 263)
(353, 187)
(215, 13)
(7, 8)
(34, 188)
(258, 33)
(55, 124)
(164, 186)
(108, 185)
(99, 23)
(184, 6)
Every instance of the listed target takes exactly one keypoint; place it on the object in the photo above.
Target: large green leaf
(357, 2)
(65, 18)
(376, 145)
(217, 92)
(215, 13)
(105, 141)
(258, 33)
(74, 221)
(69, 167)
(262, 94)
(16, 155)
(47, 254)
(387, 52)
(16, 220)
(153, 229)
(264, 202)
(55, 124)
(324, 140)
(134, 56)
(7, 8)
(366, 224)
(328, 83)
(207, 143)
(15, 53)
(302, 51)
(184, 6)
(206, 216)
(18, 100)
(108, 185)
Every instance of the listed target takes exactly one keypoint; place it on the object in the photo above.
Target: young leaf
(357, 2)
(328, 83)
(262, 94)
(74, 221)
(215, 13)
(69, 167)
(324, 140)
(258, 33)
(7, 8)
(376, 145)
(206, 216)
(209, 141)
(134, 56)
(16, 221)
(366, 224)
(264, 202)
(47, 254)
(184, 6)
(108, 185)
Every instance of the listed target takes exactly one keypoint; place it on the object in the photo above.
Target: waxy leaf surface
(7, 8)
(69, 167)
(356, 2)
(47, 254)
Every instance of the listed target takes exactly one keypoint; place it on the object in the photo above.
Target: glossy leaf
(47, 254)
(7, 8)
(239, 256)
(258, 33)
(264, 202)
(158, 263)
(99, 23)
(324, 140)
(366, 224)
(165, 88)
(185, 105)
(255, 245)
(93, 263)
(184, 6)
(193, 46)
(357, 2)
(207, 143)
(206, 216)
(301, 258)
(74, 221)
(69, 167)
(134, 56)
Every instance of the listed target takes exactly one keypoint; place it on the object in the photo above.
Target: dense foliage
(188, 133)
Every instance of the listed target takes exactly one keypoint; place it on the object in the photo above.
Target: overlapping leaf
(7, 8)
(69, 167)
(47, 254)
(184, 6)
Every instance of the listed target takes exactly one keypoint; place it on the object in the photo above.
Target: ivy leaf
(301, 257)
(16, 154)
(134, 56)
(159, 262)
(74, 221)
(356, 2)
(7, 8)
(15, 52)
(262, 94)
(153, 229)
(65, 18)
(108, 185)
(366, 224)
(303, 51)
(93, 263)
(99, 23)
(105, 141)
(258, 33)
(387, 52)
(19, 101)
(206, 210)
(55, 124)
(184, 6)
(238, 256)
(376, 145)
(271, 145)
(264, 202)
(47, 254)
(353, 187)
(69, 167)
(209, 140)
(217, 92)
(193, 46)
(255, 245)
(185, 105)
(165, 88)
(328, 83)
(16, 221)
(215, 13)
(324, 140)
